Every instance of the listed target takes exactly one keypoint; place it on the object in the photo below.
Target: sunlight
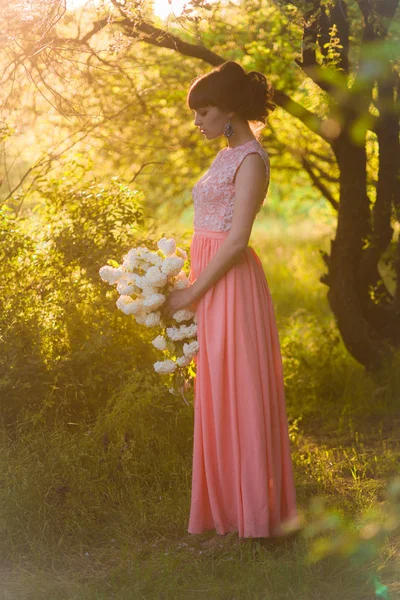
(74, 4)
(162, 8)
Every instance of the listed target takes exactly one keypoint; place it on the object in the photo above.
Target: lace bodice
(214, 193)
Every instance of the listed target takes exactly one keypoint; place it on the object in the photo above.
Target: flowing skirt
(242, 476)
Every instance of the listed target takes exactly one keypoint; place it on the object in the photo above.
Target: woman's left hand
(177, 300)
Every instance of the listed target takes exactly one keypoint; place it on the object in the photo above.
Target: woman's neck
(242, 135)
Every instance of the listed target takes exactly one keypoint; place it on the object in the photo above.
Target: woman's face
(210, 120)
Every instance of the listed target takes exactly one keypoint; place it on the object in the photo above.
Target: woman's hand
(177, 300)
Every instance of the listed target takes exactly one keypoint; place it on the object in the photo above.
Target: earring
(229, 130)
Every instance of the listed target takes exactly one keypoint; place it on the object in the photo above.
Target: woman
(242, 477)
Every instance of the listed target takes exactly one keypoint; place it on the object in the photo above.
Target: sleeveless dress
(242, 476)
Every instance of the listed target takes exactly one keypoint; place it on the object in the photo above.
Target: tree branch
(319, 184)
(148, 33)
(164, 39)
(48, 157)
(142, 167)
(310, 120)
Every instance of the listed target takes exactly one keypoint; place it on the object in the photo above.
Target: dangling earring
(229, 130)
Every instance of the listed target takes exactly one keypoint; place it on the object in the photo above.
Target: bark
(362, 341)
(368, 316)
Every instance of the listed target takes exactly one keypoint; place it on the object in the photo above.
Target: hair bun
(233, 70)
(261, 96)
(257, 79)
(230, 87)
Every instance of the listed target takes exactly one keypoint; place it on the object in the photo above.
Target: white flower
(154, 301)
(146, 255)
(123, 302)
(130, 277)
(191, 349)
(165, 366)
(137, 308)
(183, 361)
(182, 332)
(131, 260)
(145, 265)
(154, 277)
(129, 306)
(144, 258)
(148, 290)
(181, 284)
(180, 281)
(140, 281)
(172, 265)
(180, 275)
(160, 342)
(153, 319)
(155, 259)
(126, 286)
(167, 247)
(141, 319)
(110, 274)
(182, 253)
(183, 315)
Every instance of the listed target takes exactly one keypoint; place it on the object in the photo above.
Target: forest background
(99, 154)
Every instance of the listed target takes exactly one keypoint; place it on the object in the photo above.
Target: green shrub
(72, 485)
(64, 342)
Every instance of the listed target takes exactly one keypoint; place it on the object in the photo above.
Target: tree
(364, 94)
(348, 53)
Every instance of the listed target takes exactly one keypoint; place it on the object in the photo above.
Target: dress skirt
(242, 476)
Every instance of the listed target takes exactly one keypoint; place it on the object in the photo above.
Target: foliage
(127, 107)
(361, 541)
(91, 482)
(59, 323)
(334, 67)
(98, 455)
(96, 466)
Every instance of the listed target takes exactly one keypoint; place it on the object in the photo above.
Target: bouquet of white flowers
(143, 280)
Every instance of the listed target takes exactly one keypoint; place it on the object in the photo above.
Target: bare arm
(250, 188)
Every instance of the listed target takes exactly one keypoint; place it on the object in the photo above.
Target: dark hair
(229, 87)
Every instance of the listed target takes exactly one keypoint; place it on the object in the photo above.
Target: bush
(64, 342)
(73, 485)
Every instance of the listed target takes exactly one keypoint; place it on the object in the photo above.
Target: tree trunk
(369, 326)
(348, 296)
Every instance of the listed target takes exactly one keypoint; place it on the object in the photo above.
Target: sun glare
(74, 4)
(162, 8)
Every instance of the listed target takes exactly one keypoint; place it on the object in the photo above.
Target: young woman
(242, 479)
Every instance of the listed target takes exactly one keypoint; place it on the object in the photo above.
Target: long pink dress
(242, 477)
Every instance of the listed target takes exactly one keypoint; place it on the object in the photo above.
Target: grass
(100, 509)
(175, 570)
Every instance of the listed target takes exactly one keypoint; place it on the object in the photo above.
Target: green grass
(171, 569)
(100, 509)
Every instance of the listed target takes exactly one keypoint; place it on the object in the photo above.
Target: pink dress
(242, 477)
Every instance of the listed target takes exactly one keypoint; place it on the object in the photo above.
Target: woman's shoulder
(228, 160)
